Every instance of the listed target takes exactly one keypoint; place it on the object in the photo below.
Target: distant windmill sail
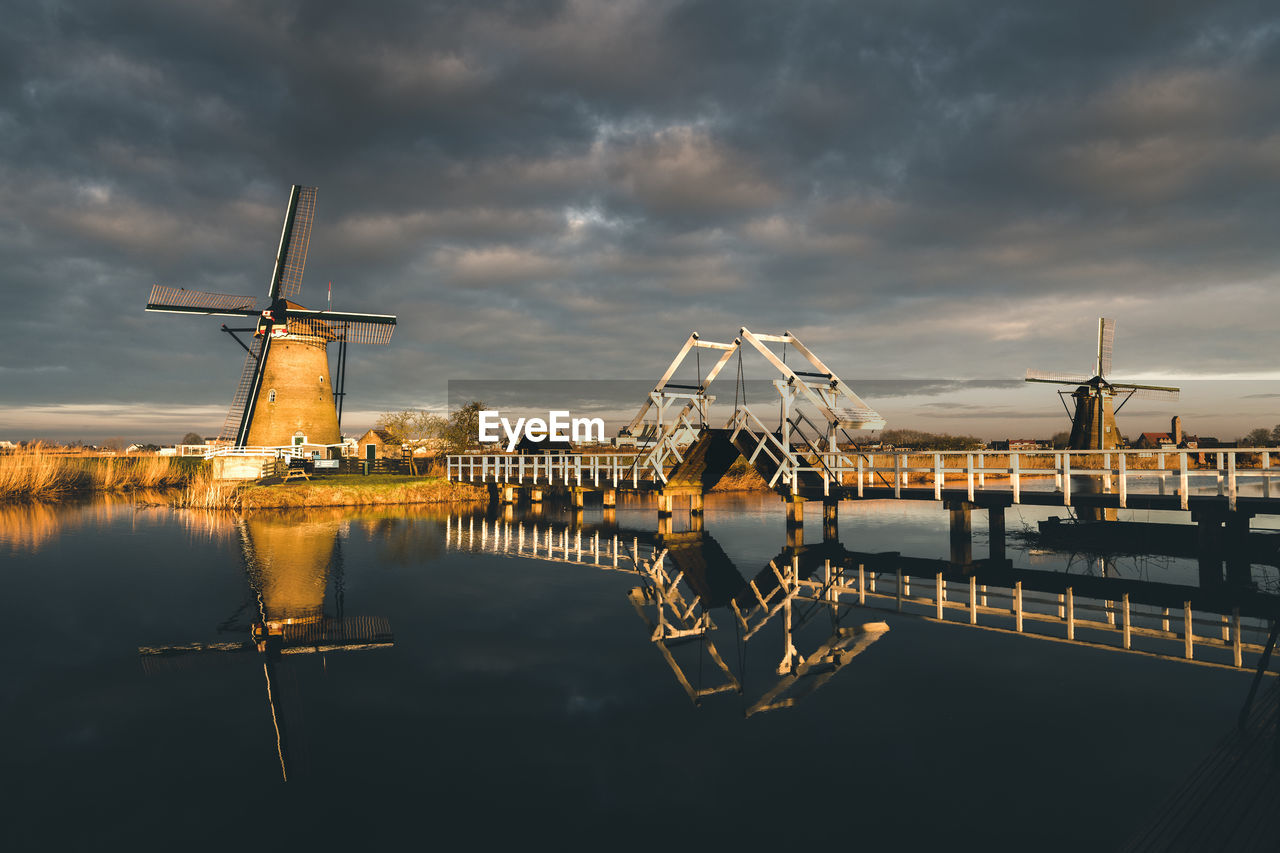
(1093, 422)
(287, 360)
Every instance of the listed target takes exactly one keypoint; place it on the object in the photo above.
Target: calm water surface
(462, 695)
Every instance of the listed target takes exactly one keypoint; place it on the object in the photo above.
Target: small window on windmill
(299, 439)
(271, 396)
(322, 380)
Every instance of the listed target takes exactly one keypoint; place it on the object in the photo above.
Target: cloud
(569, 188)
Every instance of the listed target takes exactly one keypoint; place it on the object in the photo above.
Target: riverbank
(42, 474)
(357, 490)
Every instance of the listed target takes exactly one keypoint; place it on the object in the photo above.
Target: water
(520, 699)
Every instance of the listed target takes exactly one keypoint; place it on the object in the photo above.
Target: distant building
(377, 444)
(1156, 441)
(1021, 444)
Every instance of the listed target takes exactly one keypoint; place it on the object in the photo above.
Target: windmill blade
(1148, 392)
(1106, 340)
(179, 300)
(1057, 378)
(344, 326)
(248, 376)
(291, 258)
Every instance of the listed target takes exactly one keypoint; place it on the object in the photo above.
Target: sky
(942, 192)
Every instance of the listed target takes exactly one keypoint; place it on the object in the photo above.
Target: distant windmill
(285, 395)
(1093, 423)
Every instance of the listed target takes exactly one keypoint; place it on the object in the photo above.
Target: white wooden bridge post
(1124, 482)
(1231, 481)
(1066, 479)
(1015, 470)
(1182, 478)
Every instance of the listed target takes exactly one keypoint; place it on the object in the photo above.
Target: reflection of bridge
(687, 576)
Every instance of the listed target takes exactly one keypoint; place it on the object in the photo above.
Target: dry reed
(36, 472)
(204, 491)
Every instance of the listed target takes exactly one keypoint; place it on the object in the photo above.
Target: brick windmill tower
(285, 396)
(1093, 422)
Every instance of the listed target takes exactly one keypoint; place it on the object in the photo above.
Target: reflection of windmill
(288, 566)
(1093, 424)
(285, 395)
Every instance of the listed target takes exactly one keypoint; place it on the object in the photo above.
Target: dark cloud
(567, 188)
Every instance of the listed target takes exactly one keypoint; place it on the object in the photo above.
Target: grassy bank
(357, 490)
(38, 473)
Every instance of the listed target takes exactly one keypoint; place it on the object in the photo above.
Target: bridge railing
(1121, 472)
(280, 452)
(548, 469)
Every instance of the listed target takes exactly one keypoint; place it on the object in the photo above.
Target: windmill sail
(1106, 341)
(248, 377)
(1056, 378)
(1147, 392)
(291, 258)
(343, 326)
(179, 300)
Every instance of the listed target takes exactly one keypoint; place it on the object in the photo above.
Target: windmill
(285, 396)
(1093, 423)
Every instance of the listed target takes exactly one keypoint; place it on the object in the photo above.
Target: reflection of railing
(545, 542)
(684, 577)
(1063, 617)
